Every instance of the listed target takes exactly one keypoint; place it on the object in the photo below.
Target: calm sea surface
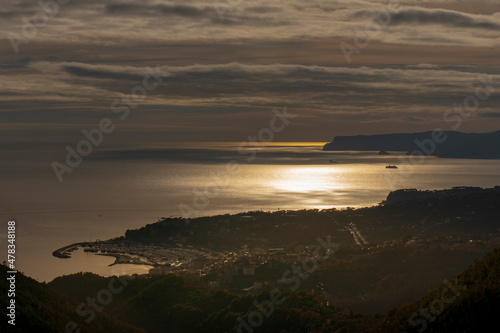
(111, 192)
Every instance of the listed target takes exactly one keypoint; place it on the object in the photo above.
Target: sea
(115, 190)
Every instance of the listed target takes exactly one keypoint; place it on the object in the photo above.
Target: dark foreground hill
(175, 304)
(40, 309)
(470, 303)
(448, 144)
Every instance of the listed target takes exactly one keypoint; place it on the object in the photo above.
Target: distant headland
(445, 144)
(458, 191)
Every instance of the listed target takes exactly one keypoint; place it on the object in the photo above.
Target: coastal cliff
(446, 144)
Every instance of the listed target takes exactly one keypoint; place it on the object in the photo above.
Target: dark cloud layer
(226, 65)
(180, 10)
(443, 17)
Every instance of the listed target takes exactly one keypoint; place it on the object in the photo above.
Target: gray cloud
(490, 115)
(180, 10)
(109, 21)
(264, 9)
(326, 89)
(439, 16)
(83, 71)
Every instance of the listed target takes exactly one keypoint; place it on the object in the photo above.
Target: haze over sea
(112, 191)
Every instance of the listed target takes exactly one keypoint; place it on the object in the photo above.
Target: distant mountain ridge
(446, 144)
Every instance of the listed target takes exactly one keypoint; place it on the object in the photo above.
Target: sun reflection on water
(310, 179)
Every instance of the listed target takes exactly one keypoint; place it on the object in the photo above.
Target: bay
(116, 191)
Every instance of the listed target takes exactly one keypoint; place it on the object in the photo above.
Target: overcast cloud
(222, 75)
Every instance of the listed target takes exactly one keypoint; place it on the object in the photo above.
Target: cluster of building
(152, 254)
(222, 270)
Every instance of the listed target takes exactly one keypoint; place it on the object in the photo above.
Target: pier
(65, 252)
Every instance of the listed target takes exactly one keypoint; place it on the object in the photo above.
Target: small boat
(391, 167)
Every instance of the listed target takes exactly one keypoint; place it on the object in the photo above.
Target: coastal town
(187, 260)
(240, 266)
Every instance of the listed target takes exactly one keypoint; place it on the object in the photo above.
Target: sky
(215, 70)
